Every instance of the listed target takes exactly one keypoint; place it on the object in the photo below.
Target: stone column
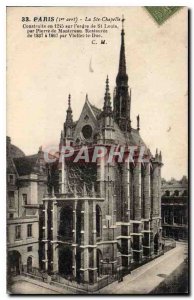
(155, 188)
(55, 232)
(151, 239)
(137, 192)
(131, 179)
(137, 233)
(147, 203)
(93, 263)
(86, 240)
(74, 237)
(159, 190)
(147, 210)
(94, 223)
(46, 236)
(63, 175)
(126, 192)
(110, 178)
(101, 175)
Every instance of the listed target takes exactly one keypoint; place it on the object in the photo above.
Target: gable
(87, 125)
(30, 164)
(10, 168)
(25, 165)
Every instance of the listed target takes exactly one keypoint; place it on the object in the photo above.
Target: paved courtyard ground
(143, 280)
(24, 287)
(148, 277)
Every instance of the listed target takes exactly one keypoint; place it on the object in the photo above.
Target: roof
(135, 139)
(15, 151)
(119, 136)
(26, 165)
(75, 123)
(134, 136)
(12, 150)
(173, 183)
(96, 110)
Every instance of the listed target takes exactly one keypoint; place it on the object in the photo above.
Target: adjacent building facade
(100, 216)
(26, 183)
(175, 208)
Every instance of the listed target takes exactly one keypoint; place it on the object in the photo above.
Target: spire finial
(138, 123)
(69, 100)
(69, 104)
(69, 116)
(107, 103)
(123, 20)
(160, 156)
(86, 97)
(107, 84)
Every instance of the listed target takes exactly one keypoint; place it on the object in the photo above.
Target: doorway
(99, 262)
(65, 261)
(29, 264)
(14, 262)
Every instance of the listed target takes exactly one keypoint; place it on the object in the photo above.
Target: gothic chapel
(101, 217)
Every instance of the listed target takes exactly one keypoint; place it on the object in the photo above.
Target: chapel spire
(122, 77)
(68, 125)
(69, 115)
(122, 99)
(107, 109)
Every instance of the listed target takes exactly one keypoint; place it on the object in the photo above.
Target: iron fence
(169, 246)
(35, 273)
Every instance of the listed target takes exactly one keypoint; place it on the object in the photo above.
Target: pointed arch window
(98, 221)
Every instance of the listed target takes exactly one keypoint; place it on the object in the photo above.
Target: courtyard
(143, 280)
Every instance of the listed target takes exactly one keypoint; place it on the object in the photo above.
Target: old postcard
(97, 150)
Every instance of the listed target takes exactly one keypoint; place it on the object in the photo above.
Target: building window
(11, 199)
(11, 178)
(87, 132)
(11, 216)
(177, 216)
(29, 264)
(135, 228)
(18, 232)
(66, 223)
(29, 230)
(25, 199)
(167, 193)
(29, 249)
(176, 193)
(98, 221)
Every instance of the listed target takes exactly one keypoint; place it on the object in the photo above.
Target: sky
(42, 72)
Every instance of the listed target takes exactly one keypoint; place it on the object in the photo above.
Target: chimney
(8, 145)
